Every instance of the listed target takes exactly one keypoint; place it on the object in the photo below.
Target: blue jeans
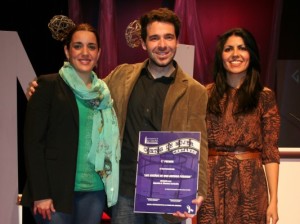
(88, 208)
(123, 213)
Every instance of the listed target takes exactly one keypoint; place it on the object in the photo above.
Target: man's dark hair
(160, 15)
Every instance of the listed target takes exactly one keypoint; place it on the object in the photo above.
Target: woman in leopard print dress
(243, 128)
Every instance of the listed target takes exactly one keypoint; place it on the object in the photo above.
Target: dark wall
(30, 19)
(288, 76)
(289, 41)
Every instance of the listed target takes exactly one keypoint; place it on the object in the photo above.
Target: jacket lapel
(71, 99)
(132, 77)
(175, 92)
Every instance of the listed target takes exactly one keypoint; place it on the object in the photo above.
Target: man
(155, 95)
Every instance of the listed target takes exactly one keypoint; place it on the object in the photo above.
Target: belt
(239, 154)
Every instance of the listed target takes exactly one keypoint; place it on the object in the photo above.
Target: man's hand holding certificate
(167, 172)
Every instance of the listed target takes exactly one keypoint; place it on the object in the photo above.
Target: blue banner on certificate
(167, 172)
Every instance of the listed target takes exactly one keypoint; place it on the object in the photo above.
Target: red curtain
(107, 31)
(204, 20)
(271, 75)
(101, 14)
(191, 33)
(75, 12)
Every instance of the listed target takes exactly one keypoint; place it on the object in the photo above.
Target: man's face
(161, 43)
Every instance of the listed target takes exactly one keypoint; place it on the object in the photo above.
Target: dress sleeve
(270, 127)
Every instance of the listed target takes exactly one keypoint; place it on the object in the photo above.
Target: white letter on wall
(14, 64)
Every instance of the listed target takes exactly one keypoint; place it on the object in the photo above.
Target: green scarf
(105, 150)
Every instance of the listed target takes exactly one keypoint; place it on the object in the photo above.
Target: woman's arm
(272, 173)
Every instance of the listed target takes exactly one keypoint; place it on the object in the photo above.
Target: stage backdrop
(202, 22)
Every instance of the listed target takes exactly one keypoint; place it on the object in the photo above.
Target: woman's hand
(44, 207)
(31, 88)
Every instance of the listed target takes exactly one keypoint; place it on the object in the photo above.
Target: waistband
(240, 153)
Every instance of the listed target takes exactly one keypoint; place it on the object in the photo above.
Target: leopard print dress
(237, 189)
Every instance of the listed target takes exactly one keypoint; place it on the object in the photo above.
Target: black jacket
(51, 143)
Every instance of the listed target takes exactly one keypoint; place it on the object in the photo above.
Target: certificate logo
(189, 209)
(151, 141)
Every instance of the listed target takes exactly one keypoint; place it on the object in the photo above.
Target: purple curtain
(107, 31)
(204, 20)
(271, 76)
(104, 20)
(75, 12)
(191, 34)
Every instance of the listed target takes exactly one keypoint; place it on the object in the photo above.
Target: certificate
(167, 172)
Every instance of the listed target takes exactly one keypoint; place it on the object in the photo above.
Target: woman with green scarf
(71, 140)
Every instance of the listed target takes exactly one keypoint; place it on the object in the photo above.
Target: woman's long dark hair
(248, 93)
